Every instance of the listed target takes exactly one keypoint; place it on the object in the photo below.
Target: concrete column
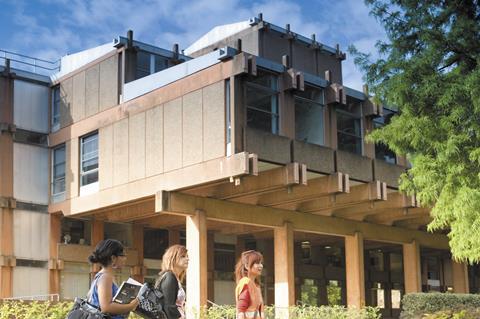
(197, 272)
(284, 271)
(54, 262)
(411, 267)
(7, 260)
(138, 244)
(460, 278)
(97, 235)
(355, 272)
(211, 265)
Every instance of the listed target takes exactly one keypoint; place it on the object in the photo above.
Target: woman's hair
(245, 263)
(171, 257)
(105, 250)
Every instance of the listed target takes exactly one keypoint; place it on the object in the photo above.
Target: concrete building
(249, 140)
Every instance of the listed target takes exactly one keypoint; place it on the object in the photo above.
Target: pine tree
(429, 69)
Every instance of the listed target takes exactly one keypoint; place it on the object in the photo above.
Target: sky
(49, 29)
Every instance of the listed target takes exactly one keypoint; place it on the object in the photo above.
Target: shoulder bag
(82, 309)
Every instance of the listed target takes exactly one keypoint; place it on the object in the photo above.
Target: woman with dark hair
(169, 282)
(248, 295)
(110, 254)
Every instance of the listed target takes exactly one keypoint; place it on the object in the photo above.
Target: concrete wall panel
(274, 47)
(328, 62)
(108, 83)
(66, 99)
(172, 135)
(120, 152)
(92, 88)
(316, 157)
(214, 121)
(23, 277)
(154, 141)
(136, 147)
(30, 103)
(358, 167)
(78, 108)
(105, 164)
(192, 128)
(303, 58)
(386, 172)
(73, 169)
(269, 147)
(31, 236)
(30, 171)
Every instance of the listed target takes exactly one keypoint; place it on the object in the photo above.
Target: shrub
(300, 312)
(439, 305)
(59, 310)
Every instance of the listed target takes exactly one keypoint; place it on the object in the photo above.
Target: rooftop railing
(27, 63)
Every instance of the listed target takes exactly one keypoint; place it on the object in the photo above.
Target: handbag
(82, 309)
(150, 303)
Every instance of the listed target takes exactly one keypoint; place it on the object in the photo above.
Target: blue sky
(49, 29)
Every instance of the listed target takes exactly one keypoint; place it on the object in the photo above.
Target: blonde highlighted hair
(245, 263)
(171, 257)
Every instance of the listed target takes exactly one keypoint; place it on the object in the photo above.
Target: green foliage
(334, 295)
(439, 306)
(34, 310)
(300, 312)
(59, 310)
(429, 69)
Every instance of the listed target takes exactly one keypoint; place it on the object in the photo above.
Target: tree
(429, 69)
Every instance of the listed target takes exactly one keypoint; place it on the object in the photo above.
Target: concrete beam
(233, 212)
(318, 187)
(388, 217)
(251, 186)
(373, 191)
(394, 200)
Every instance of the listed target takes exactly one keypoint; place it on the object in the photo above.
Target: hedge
(59, 310)
(440, 305)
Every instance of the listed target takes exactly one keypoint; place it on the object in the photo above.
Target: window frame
(358, 137)
(380, 122)
(273, 92)
(60, 195)
(322, 106)
(55, 106)
(92, 187)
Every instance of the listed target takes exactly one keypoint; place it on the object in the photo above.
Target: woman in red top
(248, 295)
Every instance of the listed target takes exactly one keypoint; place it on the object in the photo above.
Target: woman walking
(169, 282)
(110, 254)
(248, 295)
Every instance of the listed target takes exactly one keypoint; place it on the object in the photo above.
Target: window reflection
(382, 151)
(261, 97)
(309, 119)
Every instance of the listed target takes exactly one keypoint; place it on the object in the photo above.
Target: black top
(168, 285)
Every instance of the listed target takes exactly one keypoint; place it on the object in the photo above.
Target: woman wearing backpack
(169, 282)
(110, 254)
(248, 295)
